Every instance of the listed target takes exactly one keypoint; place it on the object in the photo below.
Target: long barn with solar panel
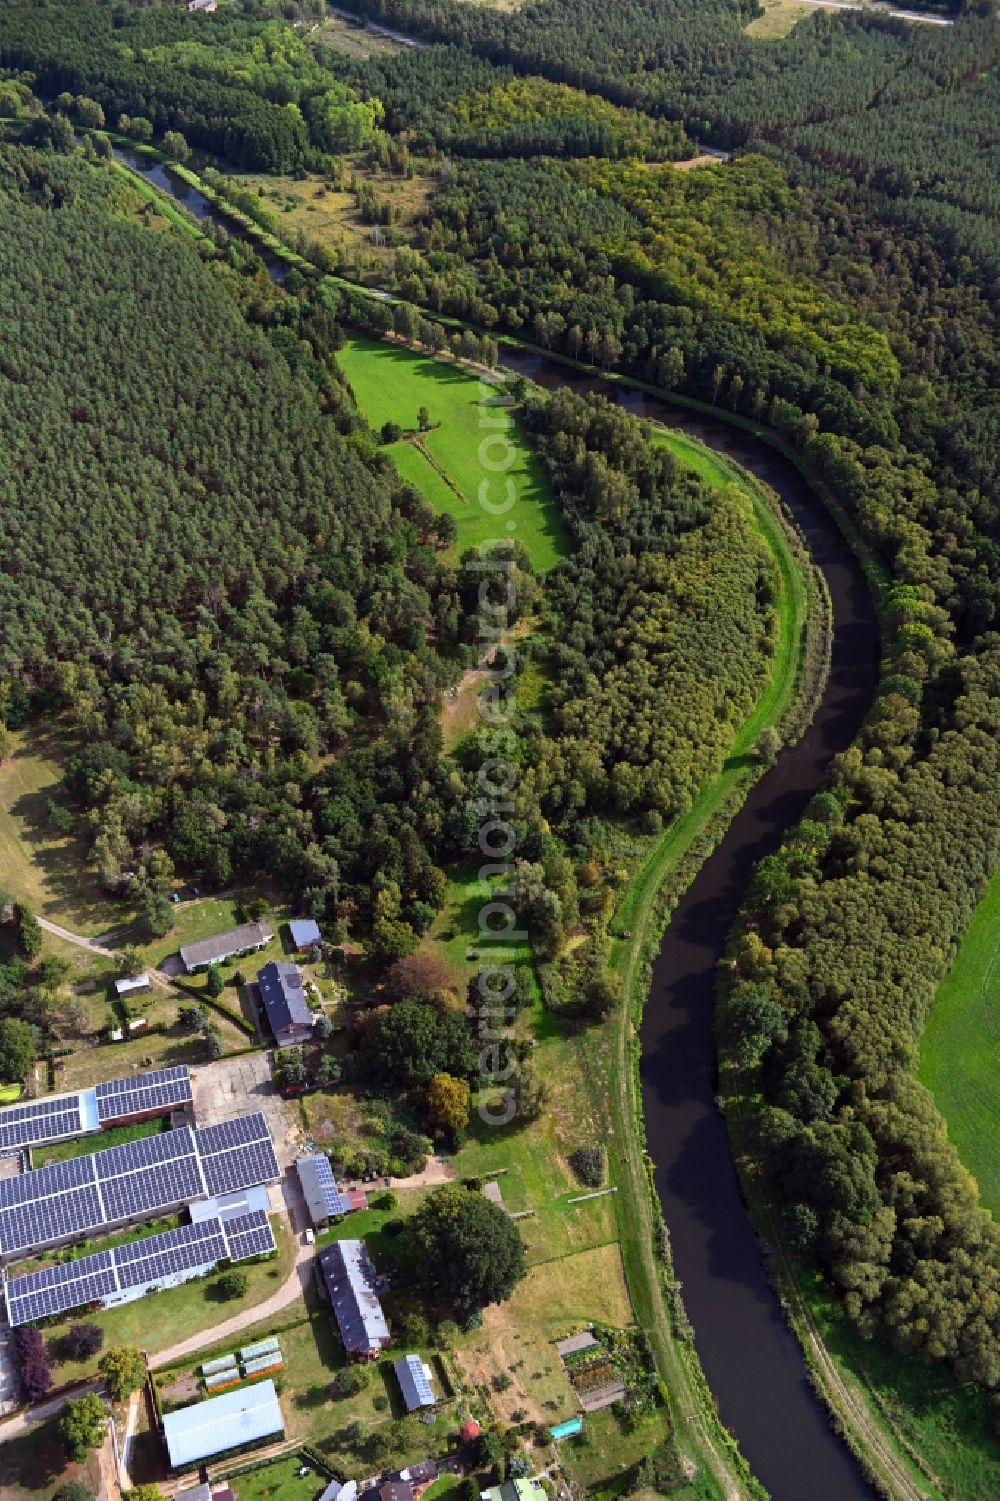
(62, 1117)
(129, 1184)
(128, 1272)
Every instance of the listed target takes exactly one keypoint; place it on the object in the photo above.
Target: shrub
(350, 1380)
(81, 1341)
(232, 1284)
(588, 1165)
(33, 1363)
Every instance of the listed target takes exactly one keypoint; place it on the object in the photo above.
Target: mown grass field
(391, 384)
(280, 1479)
(960, 1049)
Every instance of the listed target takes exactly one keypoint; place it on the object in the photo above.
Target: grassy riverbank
(644, 910)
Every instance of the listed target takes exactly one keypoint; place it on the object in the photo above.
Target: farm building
(304, 934)
(403, 1485)
(132, 985)
(283, 996)
(350, 1281)
(324, 1200)
(234, 1420)
(116, 1103)
(414, 1382)
(248, 939)
(514, 1490)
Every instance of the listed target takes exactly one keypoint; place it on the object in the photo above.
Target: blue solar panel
(134, 1181)
(139, 1265)
(153, 1189)
(136, 1156)
(237, 1154)
(41, 1120)
(249, 1235)
(44, 1181)
(161, 1090)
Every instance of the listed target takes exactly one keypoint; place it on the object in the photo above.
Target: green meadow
(448, 464)
(960, 1051)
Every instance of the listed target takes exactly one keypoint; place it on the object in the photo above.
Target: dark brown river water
(752, 1361)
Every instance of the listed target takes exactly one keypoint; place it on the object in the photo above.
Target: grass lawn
(280, 1479)
(392, 384)
(444, 1485)
(960, 1049)
(48, 871)
(162, 1319)
(9, 1093)
(80, 1146)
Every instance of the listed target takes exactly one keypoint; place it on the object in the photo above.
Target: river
(202, 209)
(751, 1359)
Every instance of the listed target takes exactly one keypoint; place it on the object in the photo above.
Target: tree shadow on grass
(35, 1460)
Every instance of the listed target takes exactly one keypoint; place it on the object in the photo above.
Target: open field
(392, 384)
(351, 40)
(779, 17)
(47, 871)
(329, 215)
(960, 1049)
(517, 1337)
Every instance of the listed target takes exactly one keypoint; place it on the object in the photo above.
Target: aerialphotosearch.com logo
(492, 1010)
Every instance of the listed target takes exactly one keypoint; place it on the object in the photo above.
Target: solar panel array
(162, 1090)
(334, 1202)
(237, 1154)
(42, 1120)
(139, 1265)
(416, 1379)
(135, 1181)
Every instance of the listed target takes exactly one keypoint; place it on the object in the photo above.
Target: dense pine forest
(252, 642)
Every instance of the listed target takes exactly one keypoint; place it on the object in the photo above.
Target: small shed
(304, 933)
(132, 985)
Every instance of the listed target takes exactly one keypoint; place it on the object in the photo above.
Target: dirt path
(75, 938)
(20, 1422)
(293, 1287)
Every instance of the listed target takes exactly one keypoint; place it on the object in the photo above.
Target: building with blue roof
(283, 996)
(414, 1382)
(304, 933)
(234, 1420)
